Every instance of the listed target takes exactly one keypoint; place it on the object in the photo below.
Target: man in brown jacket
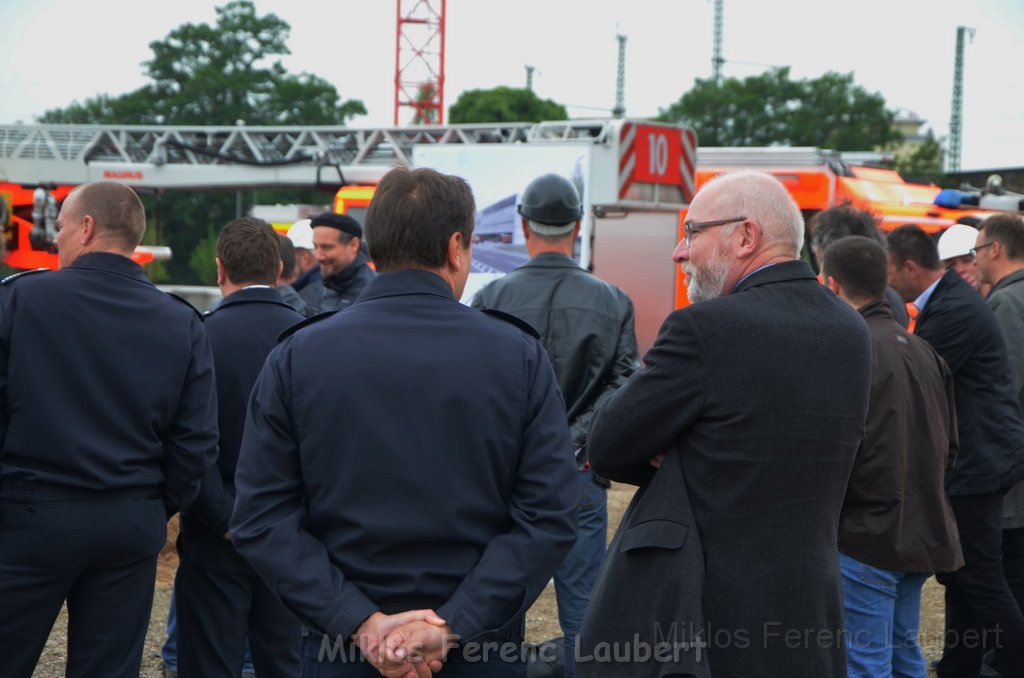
(896, 526)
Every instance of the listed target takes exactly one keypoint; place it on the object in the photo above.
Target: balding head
(761, 198)
(99, 217)
(736, 224)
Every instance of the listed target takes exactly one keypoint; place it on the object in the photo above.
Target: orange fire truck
(819, 179)
(28, 219)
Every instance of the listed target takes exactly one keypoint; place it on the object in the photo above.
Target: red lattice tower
(419, 60)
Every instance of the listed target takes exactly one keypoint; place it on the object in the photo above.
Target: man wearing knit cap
(344, 263)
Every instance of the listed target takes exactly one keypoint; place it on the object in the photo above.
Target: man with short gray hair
(741, 430)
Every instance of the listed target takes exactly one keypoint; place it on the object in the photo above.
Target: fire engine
(636, 177)
(28, 216)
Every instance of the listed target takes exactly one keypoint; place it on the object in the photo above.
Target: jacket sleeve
(190, 442)
(268, 523)
(954, 431)
(214, 502)
(1011, 322)
(542, 507)
(643, 418)
(626, 362)
(949, 331)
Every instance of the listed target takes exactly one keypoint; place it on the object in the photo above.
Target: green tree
(920, 160)
(204, 74)
(771, 109)
(203, 259)
(217, 75)
(426, 94)
(504, 104)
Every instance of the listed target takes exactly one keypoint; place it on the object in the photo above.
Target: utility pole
(956, 114)
(529, 78)
(620, 80)
(716, 55)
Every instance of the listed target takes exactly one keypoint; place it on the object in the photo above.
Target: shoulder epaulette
(20, 274)
(185, 301)
(515, 320)
(304, 323)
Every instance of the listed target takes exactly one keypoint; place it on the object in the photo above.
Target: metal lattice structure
(224, 157)
(716, 55)
(956, 112)
(620, 80)
(419, 60)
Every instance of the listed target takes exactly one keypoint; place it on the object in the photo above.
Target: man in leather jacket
(586, 325)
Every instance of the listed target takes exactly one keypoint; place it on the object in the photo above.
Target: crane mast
(956, 114)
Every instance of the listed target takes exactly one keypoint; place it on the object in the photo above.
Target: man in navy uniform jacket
(219, 596)
(408, 459)
(108, 421)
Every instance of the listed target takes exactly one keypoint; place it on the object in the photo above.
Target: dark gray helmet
(551, 199)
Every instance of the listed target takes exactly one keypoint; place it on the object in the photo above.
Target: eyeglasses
(974, 250)
(691, 227)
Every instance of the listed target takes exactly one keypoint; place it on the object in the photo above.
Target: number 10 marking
(658, 151)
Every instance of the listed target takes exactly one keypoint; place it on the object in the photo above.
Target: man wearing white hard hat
(956, 246)
(309, 284)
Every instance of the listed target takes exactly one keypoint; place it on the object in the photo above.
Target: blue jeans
(169, 651)
(883, 611)
(576, 576)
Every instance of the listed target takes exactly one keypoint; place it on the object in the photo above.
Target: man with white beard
(741, 430)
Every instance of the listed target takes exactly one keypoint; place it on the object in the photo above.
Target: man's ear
(456, 245)
(750, 237)
(88, 229)
(221, 275)
(526, 228)
(833, 285)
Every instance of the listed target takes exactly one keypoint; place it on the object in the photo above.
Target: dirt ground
(541, 620)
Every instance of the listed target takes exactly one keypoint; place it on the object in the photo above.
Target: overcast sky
(57, 51)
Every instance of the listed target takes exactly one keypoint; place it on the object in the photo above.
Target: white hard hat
(956, 241)
(301, 234)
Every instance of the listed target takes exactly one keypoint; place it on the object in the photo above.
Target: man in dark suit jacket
(219, 597)
(761, 391)
(956, 321)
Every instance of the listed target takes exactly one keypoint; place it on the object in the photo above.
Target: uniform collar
(408, 281)
(248, 295)
(552, 260)
(108, 261)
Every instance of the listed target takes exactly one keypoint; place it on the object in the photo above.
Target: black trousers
(220, 599)
(97, 554)
(981, 612)
(1013, 562)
